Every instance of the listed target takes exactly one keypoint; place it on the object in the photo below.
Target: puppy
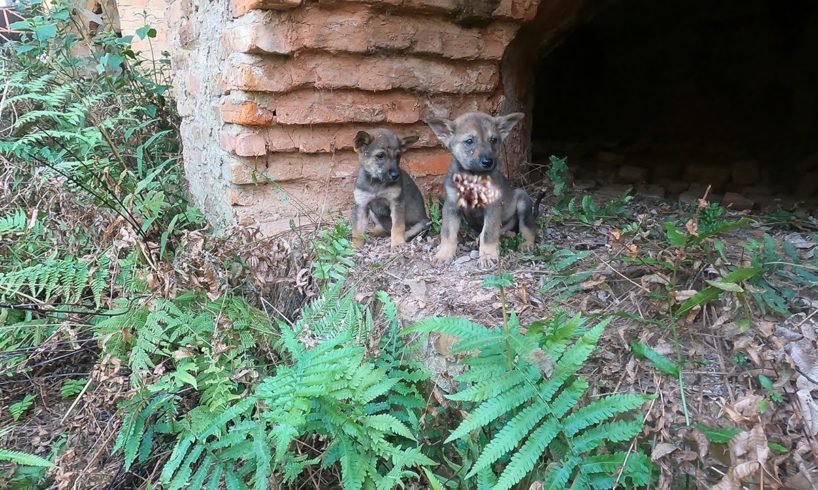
(384, 192)
(476, 188)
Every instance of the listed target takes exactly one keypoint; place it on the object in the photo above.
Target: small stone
(474, 254)
(666, 170)
(462, 259)
(714, 175)
(631, 174)
(610, 192)
(736, 201)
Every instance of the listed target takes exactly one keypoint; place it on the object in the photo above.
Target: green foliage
(784, 274)
(18, 409)
(557, 174)
(588, 213)
(565, 277)
(434, 208)
(718, 435)
(661, 362)
(523, 396)
(72, 387)
(325, 388)
(333, 254)
(23, 459)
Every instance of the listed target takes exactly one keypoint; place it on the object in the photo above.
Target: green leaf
(718, 435)
(661, 362)
(726, 286)
(45, 32)
(24, 459)
(710, 293)
(676, 238)
(504, 280)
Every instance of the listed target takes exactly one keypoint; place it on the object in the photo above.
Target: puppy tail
(540, 197)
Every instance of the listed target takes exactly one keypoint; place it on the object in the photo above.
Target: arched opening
(683, 92)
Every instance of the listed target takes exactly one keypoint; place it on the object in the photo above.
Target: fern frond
(526, 457)
(601, 410)
(24, 459)
(458, 327)
(492, 409)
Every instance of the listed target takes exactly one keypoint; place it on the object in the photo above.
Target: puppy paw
(397, 242)
(527, 246)
(443, 257)
(488, 261)
(357, 242)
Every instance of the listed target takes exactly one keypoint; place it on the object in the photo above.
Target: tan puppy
(384, 192)
(476, 188)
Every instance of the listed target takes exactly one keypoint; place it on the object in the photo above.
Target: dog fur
(474, 140)
(384, 191)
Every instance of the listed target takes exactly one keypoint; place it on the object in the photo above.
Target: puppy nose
(486, 161)
(393, 173)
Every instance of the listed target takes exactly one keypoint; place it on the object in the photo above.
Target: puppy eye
(469, 141)
(493, 140)
(380, 155)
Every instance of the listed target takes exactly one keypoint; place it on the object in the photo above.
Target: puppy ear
(405, 142)
(362, 140)
(443, 129)
(506, 123)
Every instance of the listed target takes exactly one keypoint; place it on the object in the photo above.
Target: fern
(24, 459)
(528, 417)
(18, 409)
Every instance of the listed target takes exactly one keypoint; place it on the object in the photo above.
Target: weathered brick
(241, 7)
(375, 73)
(247, 143)
(311, 106)
(246, 112)
(357, 30)
(287, 167)
(310, 139)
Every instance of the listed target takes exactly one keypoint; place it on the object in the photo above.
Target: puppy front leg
(359, 219)
(397, 209)
(490, 236)
(449, 226)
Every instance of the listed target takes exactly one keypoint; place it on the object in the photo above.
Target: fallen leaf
(661, 450)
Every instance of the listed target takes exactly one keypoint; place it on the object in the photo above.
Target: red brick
(357, 30)
(432, 162)
(375, 73)
(517, 9)
(247, 143)
(343, 106)
(312, 139)
(241, 7)
(246, 112)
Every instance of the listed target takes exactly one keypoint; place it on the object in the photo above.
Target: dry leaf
(692, 226)
(661, 450)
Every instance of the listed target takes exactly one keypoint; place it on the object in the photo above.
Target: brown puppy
(383, 191)
(476, 188)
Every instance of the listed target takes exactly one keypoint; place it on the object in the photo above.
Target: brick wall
(273, 91)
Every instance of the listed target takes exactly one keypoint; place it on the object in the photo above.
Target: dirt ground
(723, 351)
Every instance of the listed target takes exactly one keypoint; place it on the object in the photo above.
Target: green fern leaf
(215, 477)
(618, 431)
(261, 451)
(558, 476)
(526, 457)
(176, 457)
(459, 327)
(24, 459)
(186, 468)
(388, 423)
(496, 386)
(492, 409)
(233, 482)
(198, 478)
(509, 436)
(601, 410)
